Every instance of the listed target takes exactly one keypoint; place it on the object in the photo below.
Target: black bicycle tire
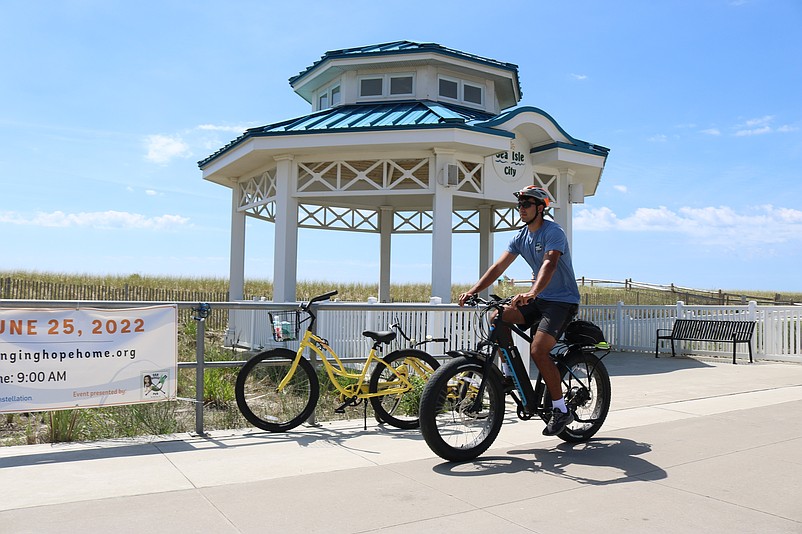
(578, 432)
(432, 415)
(382, 413)
(244, 398)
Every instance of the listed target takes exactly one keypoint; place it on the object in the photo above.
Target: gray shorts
(548, 316)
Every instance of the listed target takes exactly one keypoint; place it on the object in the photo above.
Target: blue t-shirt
(532, 246)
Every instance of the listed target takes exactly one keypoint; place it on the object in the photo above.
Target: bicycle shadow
(597, 462)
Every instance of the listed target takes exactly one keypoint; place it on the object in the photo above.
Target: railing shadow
(304, 436)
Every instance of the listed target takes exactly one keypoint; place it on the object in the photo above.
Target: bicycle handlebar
(495, 301)
(397, 326)
(324, 296)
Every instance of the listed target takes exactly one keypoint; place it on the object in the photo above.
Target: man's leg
(539, 350)
(560, 417)
(542, 343)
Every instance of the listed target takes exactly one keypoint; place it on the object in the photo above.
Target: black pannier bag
(583, 333)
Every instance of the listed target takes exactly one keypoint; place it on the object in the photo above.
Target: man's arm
(492, 274)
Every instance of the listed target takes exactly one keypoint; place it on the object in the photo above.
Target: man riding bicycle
(553, 299)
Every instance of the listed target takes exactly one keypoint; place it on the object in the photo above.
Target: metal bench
(708, 330)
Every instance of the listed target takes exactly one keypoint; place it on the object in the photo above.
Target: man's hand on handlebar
(467, 298)
(521, 299)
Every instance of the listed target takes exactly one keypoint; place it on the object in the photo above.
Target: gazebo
(403, 137)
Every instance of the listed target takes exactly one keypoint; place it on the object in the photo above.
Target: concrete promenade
(689, 446)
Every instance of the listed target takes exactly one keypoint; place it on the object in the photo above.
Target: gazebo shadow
(639, 363)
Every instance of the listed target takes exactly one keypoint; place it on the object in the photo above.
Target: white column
(236, 267)
(564, 215)
(486, 258)
(285, 261)
(442, 208)
(386, 214)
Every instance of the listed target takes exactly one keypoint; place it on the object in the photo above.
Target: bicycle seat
(385, 336)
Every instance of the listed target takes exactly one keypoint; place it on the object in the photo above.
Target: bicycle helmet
(538, 194)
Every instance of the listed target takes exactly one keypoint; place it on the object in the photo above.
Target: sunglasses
(525, 205)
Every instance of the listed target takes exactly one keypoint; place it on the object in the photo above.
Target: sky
(107, 106)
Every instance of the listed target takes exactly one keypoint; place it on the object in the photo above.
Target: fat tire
(401, 410)
(594, 410)
(262, 405)
(450, 429)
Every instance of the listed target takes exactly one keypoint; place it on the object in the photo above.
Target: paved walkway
(689, 446)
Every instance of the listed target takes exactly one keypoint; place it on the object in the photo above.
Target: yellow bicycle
(278, 389)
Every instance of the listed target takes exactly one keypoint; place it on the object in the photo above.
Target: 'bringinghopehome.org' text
(45, 356)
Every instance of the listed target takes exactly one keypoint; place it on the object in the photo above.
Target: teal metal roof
(379, 114)
(405, 47)
(403, 115)
(575, 144)
(412, 114)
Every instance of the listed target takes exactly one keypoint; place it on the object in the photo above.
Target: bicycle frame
(336, 370)
(528, 399)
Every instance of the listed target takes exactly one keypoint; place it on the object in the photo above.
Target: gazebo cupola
(403, 70)
(403, 137)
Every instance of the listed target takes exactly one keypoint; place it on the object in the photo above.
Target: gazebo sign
(510, 165)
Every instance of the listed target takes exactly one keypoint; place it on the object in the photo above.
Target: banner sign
(60, 359)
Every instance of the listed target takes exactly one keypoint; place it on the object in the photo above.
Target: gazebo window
(472, 94)
(461, 91)
(387, 85)
(449, 88)
(329, 97)
(401, 85)
(371, 86)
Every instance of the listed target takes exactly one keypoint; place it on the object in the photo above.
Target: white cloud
(753, 131)
(151, 192)
(659, 138)
(722, 226)
(712, 131)
(760, 121)
(98, 219)
(163, 148)
(761, 126)
(621, 188)
(217, 128)
(204, 138)
(579, 77)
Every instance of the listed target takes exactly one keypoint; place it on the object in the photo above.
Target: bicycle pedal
(341, 408)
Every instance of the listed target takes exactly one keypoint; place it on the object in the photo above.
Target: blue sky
(106, 107)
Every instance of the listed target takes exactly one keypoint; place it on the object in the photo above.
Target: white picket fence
(778, 335)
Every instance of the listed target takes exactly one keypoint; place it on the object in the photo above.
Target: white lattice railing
(629, 328)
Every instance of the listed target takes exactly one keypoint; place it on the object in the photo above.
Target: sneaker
(557, 422)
